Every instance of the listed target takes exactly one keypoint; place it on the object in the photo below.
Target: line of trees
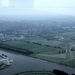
(58, 47)
(41, 44)
(19, 50)
(45, 45)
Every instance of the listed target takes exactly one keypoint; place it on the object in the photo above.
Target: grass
(56, 59)
(66, 40)
(55, 56)
(49, 42)
(32, 47)
(70, 63)
(49, 58)
(42, 52)
(34, 39)
(42, 40)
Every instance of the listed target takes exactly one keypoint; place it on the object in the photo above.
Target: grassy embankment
(33, 47)
(43, 52)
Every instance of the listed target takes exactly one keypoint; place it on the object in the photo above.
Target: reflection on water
(23, 63)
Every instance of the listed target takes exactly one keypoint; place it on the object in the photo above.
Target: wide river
(23, 63)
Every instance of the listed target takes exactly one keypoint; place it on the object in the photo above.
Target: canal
(23, 63)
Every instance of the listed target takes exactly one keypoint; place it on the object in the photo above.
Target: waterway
(23, 63)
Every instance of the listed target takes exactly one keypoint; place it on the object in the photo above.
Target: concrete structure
(5, 61)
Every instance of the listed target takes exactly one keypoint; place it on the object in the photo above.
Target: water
(23, 63)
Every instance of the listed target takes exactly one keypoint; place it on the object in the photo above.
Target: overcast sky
(19, 7)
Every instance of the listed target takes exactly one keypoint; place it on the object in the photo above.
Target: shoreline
(62, 64)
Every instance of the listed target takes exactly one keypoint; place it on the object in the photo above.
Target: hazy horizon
(37, 7)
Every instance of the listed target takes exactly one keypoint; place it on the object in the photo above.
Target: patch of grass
(49, 58)
(66, 40)
(42, 40)
(53, 52)
(55, 56)
(70, 63)
(62, 61)
(42, 52)
(32, 47)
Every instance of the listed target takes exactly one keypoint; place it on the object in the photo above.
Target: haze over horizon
(37, 7)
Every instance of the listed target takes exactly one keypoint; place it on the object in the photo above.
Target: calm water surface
(23, 63)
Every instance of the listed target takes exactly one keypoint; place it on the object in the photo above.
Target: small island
(5, 61)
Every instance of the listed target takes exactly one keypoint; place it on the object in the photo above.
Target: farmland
(43, 52)
(48, 40)
(42, 40)
(32, 47)
(51, 53)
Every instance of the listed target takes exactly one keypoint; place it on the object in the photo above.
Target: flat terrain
(62, 42)
(42, 41)
(51, 53)
(32, 47)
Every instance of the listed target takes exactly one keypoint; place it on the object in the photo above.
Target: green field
(42, 41)
(50, 54)
(62, 61)
(50, 58)
(62, 43)
(32, 47)
(66, 40)
(55, 56)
